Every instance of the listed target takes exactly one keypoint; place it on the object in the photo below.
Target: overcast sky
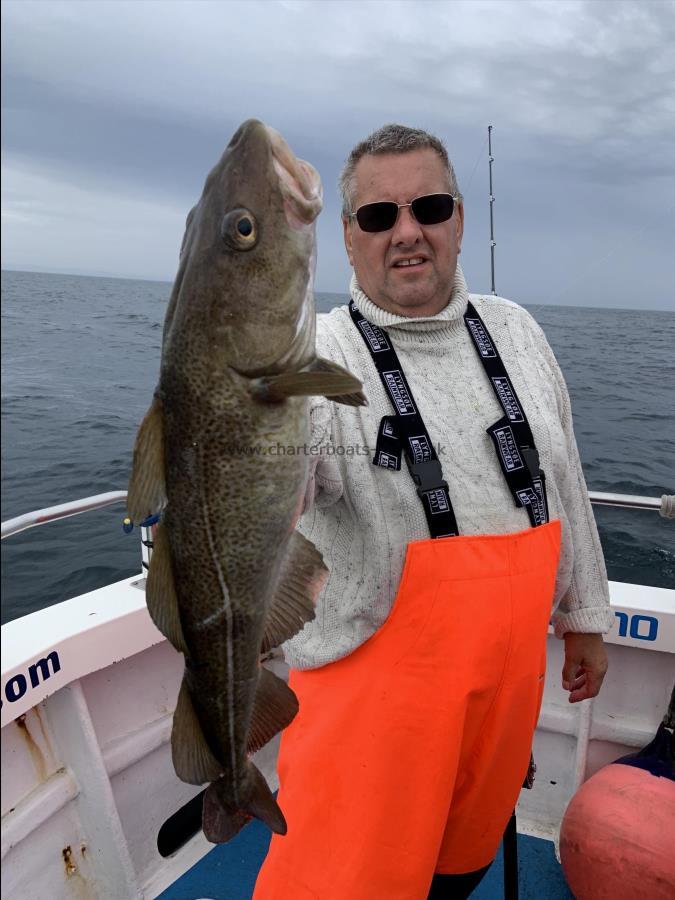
(114, 112)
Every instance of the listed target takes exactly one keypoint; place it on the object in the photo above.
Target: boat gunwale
(97, 629)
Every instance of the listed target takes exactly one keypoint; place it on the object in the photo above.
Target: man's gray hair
(392, 139)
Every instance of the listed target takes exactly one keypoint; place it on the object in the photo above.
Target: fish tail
(222, 819)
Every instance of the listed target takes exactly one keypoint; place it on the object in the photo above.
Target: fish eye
(239, 229)
(244, 226)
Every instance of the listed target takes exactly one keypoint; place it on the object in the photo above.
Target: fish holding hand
(230, 578)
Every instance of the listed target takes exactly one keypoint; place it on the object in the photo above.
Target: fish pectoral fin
(350, 394)
(160, 592)
(147, 485)
(322, 378)
(192, 757)
(274, 708)
(303, 575)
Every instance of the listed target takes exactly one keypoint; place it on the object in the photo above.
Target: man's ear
(347, 232)
(460, 225)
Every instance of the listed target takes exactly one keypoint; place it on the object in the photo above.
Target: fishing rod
(492, 200)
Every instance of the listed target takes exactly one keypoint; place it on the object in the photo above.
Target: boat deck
(229, 871)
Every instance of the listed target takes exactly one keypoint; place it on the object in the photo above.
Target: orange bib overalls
(406, 757)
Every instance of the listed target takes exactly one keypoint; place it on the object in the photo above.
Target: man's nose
(407, 229)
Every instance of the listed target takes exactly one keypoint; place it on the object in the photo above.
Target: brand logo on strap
(531, 498)
(508, 449)
(508, 399)
(438, 502)
(541, 497)
(386, 460)
(399, 393)
(375, 336)
(388, 429)
(535, 498)
(482, 338)
(419, 445)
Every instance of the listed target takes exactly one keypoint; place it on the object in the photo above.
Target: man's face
(409, 290)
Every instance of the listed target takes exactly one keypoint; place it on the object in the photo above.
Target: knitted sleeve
(584, 607)
(324, 484)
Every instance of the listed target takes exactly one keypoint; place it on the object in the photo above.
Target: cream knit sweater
(361, 517)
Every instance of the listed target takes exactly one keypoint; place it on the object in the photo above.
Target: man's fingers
(588, 687)
(570, 673)
(585, 665)
(594, 683)
(578, 689)
(581, 694)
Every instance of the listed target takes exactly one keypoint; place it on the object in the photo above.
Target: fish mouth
(299, 182)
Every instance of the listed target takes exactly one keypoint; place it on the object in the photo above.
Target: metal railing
(665, 506)
(62, 511)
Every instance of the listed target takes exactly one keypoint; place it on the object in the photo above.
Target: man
(420, 679)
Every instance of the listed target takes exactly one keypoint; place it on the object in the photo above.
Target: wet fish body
(230, 578)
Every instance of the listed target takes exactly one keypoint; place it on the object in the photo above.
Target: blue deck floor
(229, 871)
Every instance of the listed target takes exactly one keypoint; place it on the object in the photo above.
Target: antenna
(492, 200)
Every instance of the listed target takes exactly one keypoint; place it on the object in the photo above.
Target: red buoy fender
(617, 840)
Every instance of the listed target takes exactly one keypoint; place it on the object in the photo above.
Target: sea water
(80, 358)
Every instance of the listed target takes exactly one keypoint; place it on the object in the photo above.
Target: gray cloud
(114, 112)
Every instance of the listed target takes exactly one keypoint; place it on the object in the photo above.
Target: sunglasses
(428, 210)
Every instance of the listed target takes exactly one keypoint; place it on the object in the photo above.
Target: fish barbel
(229, 577)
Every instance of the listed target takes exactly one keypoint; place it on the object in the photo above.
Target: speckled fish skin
(229, 514)
(241, 310)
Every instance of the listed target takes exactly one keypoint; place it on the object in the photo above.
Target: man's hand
(585, 665)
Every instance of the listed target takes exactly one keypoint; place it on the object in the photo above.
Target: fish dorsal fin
(303, 574)
(160, 592)
(274, 708)
(147, 486)
(192, 757)
(322, 378)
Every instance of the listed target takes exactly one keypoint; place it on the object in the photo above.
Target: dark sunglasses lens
(377, 216)
(433, 208)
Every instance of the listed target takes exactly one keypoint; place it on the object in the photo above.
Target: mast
(492, 200)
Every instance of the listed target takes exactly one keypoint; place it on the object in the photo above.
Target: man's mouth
(406, 263)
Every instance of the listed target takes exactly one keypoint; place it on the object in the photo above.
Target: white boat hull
(87, 778)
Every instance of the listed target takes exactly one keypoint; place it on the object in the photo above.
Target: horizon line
(338, 293)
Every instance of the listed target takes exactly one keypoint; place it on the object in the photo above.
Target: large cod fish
(230, 578)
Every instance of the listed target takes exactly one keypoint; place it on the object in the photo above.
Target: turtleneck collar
(430, 328)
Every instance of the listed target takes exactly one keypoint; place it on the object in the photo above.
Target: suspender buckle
(428, 475)
(531, 459)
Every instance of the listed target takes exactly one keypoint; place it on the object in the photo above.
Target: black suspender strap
(405, 434)
(512, 435)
